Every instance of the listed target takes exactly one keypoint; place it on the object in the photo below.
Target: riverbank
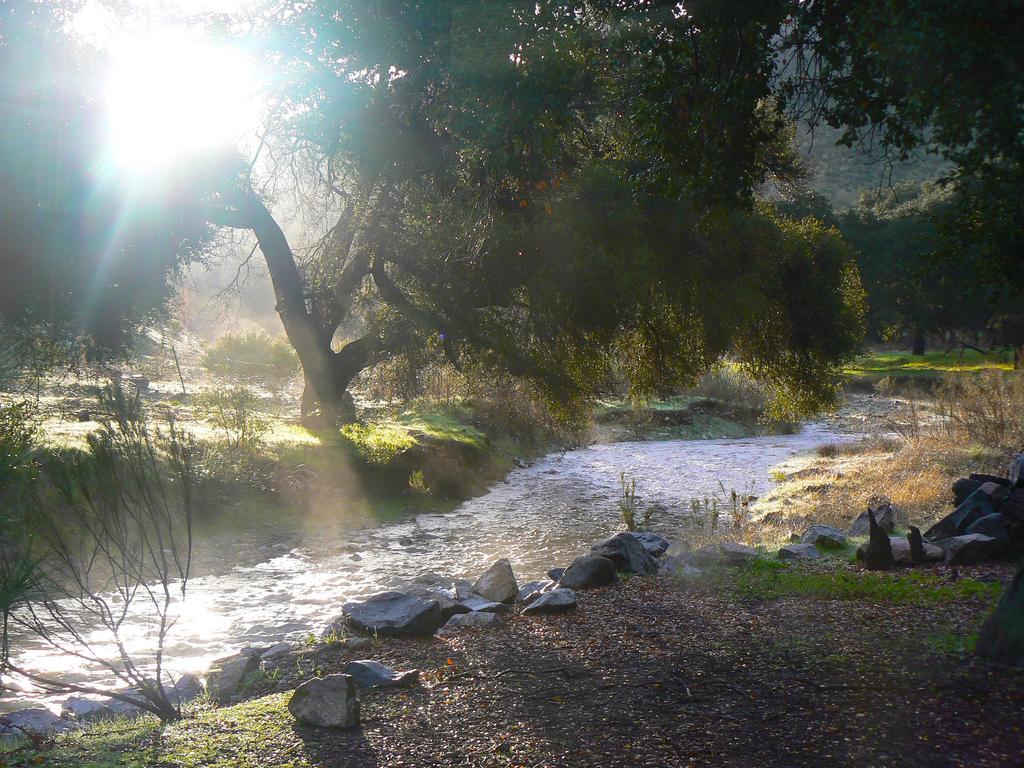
(650, 671)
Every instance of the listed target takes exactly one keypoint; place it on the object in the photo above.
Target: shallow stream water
(542, 516)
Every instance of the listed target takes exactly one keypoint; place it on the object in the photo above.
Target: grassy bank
(646, 672)
(877, 366)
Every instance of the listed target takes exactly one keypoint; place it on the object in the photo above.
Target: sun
(168, 96)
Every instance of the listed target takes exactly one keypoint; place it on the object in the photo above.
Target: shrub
(251, 356)
(987, 407)
(233, 411)
(735, 389)
(115, 553)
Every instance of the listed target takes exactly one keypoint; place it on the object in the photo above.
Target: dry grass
(971, 424)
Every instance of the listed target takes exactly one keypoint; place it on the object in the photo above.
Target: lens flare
(168, 96)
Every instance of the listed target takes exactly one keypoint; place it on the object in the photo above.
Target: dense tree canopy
(934, 75)
(545, 185)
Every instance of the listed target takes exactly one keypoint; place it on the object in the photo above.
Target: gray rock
(799, 552)
(732, 553)
(994, 526)
(588, 571)
(655, 544)
(824, 537)
(226, 677)
(627, 554)
(976, 506)
(903, 553)
(373, 674)
(84, 709)
(33, 721)
(356, 644)
(555, 601)
(970, 548)
(878, 553)
(188, 688)
(1015, 474)
(498, 583)
(482, 605)
(462, 589)
(394, 614)
(885, 516)
(473, 620)
(678, 566)
(326, 702)
(279, 649)
(531, 590)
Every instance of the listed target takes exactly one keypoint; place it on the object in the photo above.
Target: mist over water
(255, 592)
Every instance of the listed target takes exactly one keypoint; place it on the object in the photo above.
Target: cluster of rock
(78, 711)
(986, 524)
(432, 604)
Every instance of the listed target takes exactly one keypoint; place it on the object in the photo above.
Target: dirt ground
(651, 672)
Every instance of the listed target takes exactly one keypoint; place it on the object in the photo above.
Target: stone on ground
(970, 549)
(474, 620)
(824, 537)
(627, 553)
(33, 721)
(483, 605)
(326, 702)
(678, 567)
(732, 553)
(84, 709)
(878, 554)
(226, 677)
(799, 552)
(555, 601)
(588, 571)
(498, 583)
(531, 590)
(1016, 472)
(885, 516)
(655, 544)
(373, 674)
(278, 649)
(394, 614)
(187, 688)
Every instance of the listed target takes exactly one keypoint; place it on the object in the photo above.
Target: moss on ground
(931, 365)
(769, 580)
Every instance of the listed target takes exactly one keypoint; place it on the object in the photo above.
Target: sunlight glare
(168, 96)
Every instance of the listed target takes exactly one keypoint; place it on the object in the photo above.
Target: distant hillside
(840, 173)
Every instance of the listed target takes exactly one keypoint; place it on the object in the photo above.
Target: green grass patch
(443, 424)
(766, 580)
(932, 364)
(254, 734)
(379, 439)
(953, 644)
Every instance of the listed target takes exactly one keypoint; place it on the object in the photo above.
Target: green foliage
(628, 506)
(251, 356)
(235, 412)
(930, 365)
(936, 76)
(533, 225)
(378, 443)
(766, 580)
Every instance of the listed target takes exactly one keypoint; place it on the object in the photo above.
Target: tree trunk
(1018, 357)
(327, 373)
(919, 343)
